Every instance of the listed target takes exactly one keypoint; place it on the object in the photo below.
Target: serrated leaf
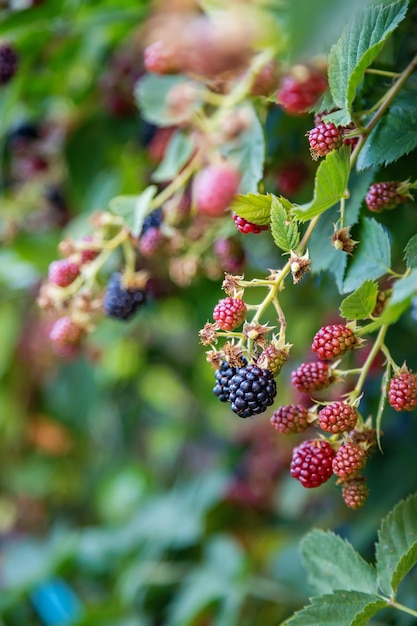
(253, 207)
(359, 44)
(360, 304)
(329, 186)
(393, 137)
(373, 255)
(396, 549)
(133, 209)
(341, 608)
(332, 563)
(247, 151)
(410, 252)
(151, 93)
(322, 253)
(283, 229)
(178, 151)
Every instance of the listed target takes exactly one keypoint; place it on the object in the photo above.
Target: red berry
(350, 459)
(337, 417)
(215, 187)
(150, 242)
(300, 90)
(229, 313)
(159, 143)
(310, 377)
(354, 493)
(324, 138)
(62, 272)
(333, 341)
(402, 391)
(65, 332)
(246, 227)
(290, 419)
(312, 462)
(382, 196)
(88, 254)
(266, 80)
(291, 177)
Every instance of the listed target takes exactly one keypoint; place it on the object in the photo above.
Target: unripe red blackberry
(272, 358)
(350, 459)
(88, 254)
(337, 417)
(355, 493)
(290, 419)
(382, 196)
(252, 390)
(266, 80)
(62, 272)
(150, 242)
(300, 90)
(402, 391)
(65, 332)
(246, 227)
(312, 462)
(230, 254)
(160, 58)
(291, 177)
(332, 341)
(215, 187)
(310, 377)
(324, 138)
(9, 60)
(229, 313)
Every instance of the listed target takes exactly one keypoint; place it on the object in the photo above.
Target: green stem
(366, 366)
(177, 183)
(382, 73)
(386, 101)
(401, 607)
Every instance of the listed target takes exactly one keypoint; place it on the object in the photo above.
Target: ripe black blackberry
(8, 62)
(120, 302)
(153, 220)
(223, 377)
(252, 390)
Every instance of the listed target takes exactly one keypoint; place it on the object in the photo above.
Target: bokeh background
(129, 496)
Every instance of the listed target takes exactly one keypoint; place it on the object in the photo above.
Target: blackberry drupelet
(223, 377)
(252, 390)
(120, 302)
(152, 220)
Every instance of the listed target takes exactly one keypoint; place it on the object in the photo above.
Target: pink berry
(215, 187)
(310, 377)
(65, 332)
(63, 272)
(229, 313)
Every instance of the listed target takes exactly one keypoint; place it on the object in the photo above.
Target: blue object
(56, 603)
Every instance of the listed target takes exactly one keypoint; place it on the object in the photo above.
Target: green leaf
(360, 304)
(373, 256)
(283, 229)
(396, 549)
(410, 252)
(253, 207)
(179, 150)
(322, 253)
(341, 608)
(404, 288)
(359, 44)
(394, 136)
(247, 151)
(133, 209)
(332, 563)
(151, 93)
(329, 186)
